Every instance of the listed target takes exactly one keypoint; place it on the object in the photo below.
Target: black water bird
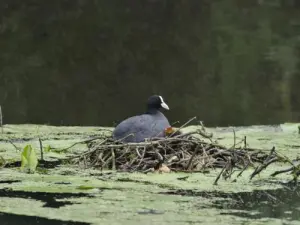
(151, 124)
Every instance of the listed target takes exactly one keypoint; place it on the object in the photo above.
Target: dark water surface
(80, 62)
(279, 204)
(11, 219)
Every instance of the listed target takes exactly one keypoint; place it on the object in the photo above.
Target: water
(66, 194)
(96, 62)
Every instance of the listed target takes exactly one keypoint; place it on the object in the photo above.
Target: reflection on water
(227, 62)
(12, 219)
(279, 203)
(51, 200)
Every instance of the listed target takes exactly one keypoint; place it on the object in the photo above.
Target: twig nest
(163, 169)
(178, 152)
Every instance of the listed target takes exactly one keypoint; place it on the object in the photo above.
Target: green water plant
(85, 187)
(2, 162)
(29, 160)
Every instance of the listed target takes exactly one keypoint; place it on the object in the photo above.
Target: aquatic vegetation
(29, 159)
(2, 162)
(59, 191)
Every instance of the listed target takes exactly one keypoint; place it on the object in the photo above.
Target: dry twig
(184, 152)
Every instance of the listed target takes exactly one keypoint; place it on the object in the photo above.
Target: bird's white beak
(164, 105)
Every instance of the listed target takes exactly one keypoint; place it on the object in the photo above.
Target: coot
(148, 125)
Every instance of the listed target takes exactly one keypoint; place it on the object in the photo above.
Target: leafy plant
(29, 160)
(47, 149)
(2, 162)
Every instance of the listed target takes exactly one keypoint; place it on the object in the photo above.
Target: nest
(188, 152)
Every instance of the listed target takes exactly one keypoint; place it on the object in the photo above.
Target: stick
(189, 165)
(282, 171)
(203, 132)
(1, 119)
(41, 148)
(234, 138)
(113, 159)
(218, 177)
(81, 142)
(18, 149)
(245, 167)
(123, 138)
(174, 123)
(190, 120)
(263, 166)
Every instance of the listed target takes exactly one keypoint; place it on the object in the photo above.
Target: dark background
(84, 62)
